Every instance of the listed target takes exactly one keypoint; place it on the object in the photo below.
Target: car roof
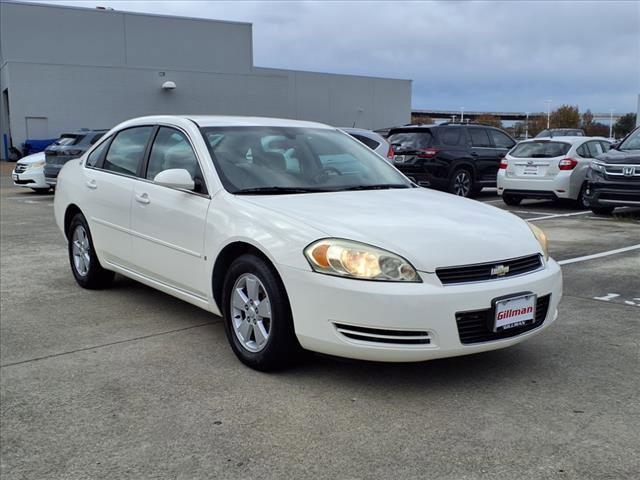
(228, 121)
(571, 140)
(84, 131)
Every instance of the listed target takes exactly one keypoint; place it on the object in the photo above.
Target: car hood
(430, 229)
(617, 156)
(29, 159)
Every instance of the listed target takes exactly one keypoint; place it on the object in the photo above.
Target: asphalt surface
(133, 383)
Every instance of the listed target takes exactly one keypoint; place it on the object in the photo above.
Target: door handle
(143, 198)
(91, 184)
(474, 154)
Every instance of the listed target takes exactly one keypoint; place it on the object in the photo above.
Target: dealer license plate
(514, 312)
(531, 170)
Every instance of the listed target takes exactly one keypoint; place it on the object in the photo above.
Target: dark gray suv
(67, 147)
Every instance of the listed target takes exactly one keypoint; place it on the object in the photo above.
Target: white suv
(304, 241)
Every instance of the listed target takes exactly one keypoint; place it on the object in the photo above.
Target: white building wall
(79, 67)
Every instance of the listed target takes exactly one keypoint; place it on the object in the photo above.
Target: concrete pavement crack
(142, 337)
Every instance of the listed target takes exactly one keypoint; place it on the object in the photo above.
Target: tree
(420, 118)
(489, 120)
(597, 130)
(537, 123)
(565, 116)
(624, 125)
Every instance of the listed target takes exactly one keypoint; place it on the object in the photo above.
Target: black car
(461, 159)
(67, 147)
(614, 177)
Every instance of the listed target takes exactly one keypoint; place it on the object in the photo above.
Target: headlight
(39, 164)
(598, 166)
(542, 239)
(345, 258)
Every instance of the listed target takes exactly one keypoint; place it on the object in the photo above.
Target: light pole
(548, 103)
(526, 127)
(611, 123)
(461, 114)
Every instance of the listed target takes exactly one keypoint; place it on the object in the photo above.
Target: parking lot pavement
(132, 383)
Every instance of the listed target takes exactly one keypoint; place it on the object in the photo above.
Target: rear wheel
(461, 183)
(257, 315)
(511, 199)
(85, 265)
(583, 202)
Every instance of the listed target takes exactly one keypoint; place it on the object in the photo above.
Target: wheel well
(224, 261)
(72, 211)
(463, 166)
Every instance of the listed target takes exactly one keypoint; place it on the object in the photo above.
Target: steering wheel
(327, 172)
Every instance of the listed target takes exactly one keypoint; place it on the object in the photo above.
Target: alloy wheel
(250, 312)
(80, 249)
(462, 184)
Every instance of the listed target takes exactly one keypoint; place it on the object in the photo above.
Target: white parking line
(537, 213)
(558, 215)
(491, 201)
(599, 255)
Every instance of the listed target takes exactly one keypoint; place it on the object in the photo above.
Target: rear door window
(479, 137)
(453, 136)
(411, 140)
(501, 140)
(127, 151)
(540, 149)
(595, 149)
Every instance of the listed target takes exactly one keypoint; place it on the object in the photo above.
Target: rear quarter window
(541, 150)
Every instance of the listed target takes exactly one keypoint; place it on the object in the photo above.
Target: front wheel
(85, 265)
(257, 316)
(461, 183)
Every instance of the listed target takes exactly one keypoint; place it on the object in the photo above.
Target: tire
(583, 202)
(600, 210)
(85, 265)
(41, 190)
(511, 200)
(461, 183)
(262, 340)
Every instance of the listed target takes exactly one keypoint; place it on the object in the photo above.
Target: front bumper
(554, 187)
(319, 302)
(614, 194)
(30, 178)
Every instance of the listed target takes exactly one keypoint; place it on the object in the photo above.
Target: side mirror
(175, 178)
(614, 146)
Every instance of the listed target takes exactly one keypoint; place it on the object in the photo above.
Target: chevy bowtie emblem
(628, 171)
(500, 270)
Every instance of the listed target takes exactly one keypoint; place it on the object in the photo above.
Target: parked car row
(39, 171)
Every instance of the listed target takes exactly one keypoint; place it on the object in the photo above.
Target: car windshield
(280, 160)
(632, 142)
(561, 132)
(540, 149)
(410, 140)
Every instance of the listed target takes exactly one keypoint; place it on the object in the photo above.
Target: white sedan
(29, 173)
(328, 248)
(549, 168)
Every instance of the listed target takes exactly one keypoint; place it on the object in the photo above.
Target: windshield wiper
(381, 186)
(276, 190)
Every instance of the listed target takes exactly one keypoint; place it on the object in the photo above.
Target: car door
(484, 154)
(110, 176)
(168, 224)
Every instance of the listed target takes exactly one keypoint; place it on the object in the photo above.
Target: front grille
(385, 336)
(628, 172)
(475, 327)
(483, 271)
(20, 168)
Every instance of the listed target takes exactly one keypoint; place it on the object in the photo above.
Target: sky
(490, 56)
